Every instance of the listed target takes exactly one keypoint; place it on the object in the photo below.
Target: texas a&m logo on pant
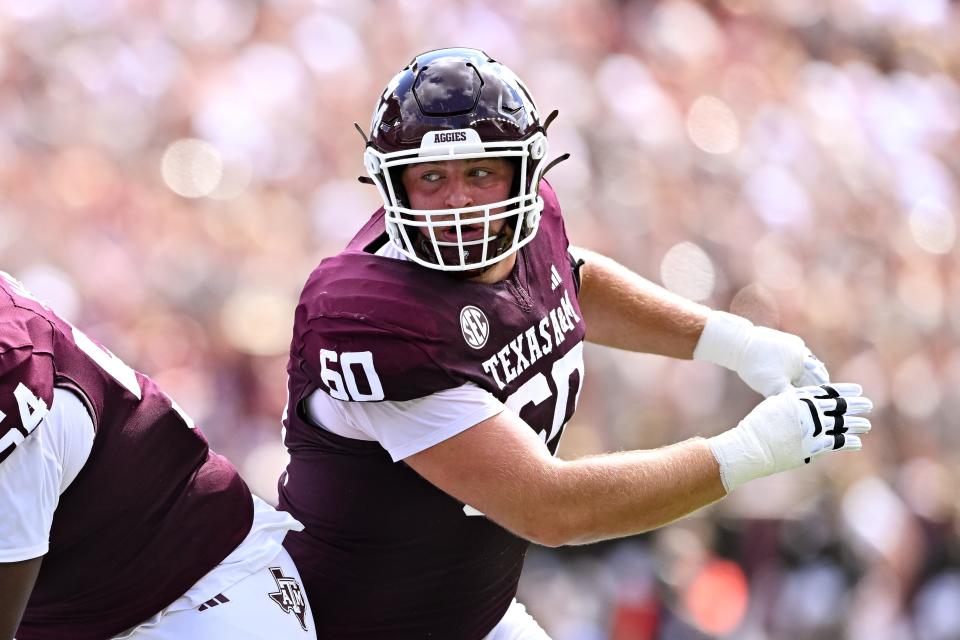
(289, 597)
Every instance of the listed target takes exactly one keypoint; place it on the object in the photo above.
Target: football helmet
(457, 104)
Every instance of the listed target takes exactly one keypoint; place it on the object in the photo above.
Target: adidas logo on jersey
(533, 343)
(555, 279)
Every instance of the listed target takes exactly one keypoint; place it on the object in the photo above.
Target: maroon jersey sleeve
(26, 392)
(365, 360)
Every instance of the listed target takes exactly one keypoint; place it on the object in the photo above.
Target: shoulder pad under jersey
(551, 221)
(390, 321)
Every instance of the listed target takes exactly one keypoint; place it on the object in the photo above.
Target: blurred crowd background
(172, 170)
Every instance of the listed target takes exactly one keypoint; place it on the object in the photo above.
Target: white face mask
(412, 231)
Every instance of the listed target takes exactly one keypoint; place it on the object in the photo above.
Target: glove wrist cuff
(740, 458)
(724, 339)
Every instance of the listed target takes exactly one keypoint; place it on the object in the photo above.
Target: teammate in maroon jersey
(117, 519)
(436, 360)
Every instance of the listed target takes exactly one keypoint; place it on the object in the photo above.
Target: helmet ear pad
(515, 185)
(400, 191)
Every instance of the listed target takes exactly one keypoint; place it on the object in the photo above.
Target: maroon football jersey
(151, 511)
(385, 554)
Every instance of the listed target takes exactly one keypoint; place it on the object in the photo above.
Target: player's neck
(499, 271)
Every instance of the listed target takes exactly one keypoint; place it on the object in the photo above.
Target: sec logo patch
(475, 326)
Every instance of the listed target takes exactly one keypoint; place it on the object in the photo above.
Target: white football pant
(517, 624)
(268, 604)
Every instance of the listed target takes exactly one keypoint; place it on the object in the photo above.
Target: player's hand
(791, 428)
(769, 361)
(773, 361)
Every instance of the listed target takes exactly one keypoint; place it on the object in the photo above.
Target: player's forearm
(615, 495)
(623, 310)
(16, 584)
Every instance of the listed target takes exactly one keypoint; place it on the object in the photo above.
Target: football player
(116, 519)
(436, 360)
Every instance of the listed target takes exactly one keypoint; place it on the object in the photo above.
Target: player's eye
(430, 176)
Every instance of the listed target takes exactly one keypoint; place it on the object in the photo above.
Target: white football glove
(769, 361)
(787, 430)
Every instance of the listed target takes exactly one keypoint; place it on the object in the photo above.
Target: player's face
(456, 184)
